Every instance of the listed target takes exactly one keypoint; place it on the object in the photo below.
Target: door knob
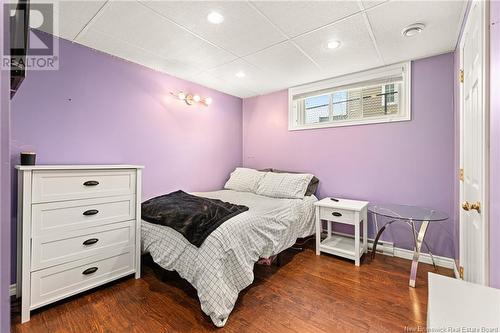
(471, 206)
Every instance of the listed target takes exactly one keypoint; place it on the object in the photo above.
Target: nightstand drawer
(335, 214)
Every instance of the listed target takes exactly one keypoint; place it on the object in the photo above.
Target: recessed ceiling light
(333, 44)
(240, 74)
(215, 18)
(413, 30)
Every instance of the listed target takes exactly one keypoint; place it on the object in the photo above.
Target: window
(339, 104)
(389, 94)
(316, 109)
(374, 96)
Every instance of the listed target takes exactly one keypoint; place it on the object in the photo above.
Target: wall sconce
(190, 99)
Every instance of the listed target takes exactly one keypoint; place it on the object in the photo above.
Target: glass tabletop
(404, 212)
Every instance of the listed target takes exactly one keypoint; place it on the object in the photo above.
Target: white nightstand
(345, 211)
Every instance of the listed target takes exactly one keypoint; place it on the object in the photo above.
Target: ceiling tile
(297, 17)
(108, 44)
(284, 65)
(370, 3)
(255, 79)
(356, 51)
(441, 18)
(214, 82)
(137, 25)
(243, 31)
(70, 17)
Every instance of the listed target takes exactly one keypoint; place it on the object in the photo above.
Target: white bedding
(223, 265)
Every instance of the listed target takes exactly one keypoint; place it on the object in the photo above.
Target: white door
(473, 147)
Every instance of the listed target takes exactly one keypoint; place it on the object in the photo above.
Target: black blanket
(194, 217)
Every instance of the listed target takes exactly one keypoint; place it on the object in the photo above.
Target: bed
(223, 265)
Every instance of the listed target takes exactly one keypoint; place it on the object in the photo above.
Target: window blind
(375, 82)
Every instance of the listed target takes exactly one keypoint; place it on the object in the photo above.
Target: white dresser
(78, 228)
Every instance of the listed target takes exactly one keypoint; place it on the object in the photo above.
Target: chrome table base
(418, 237)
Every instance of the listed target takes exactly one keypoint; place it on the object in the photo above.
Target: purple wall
(405, 162)
(495, 144)
(4, 189)
(100, 109)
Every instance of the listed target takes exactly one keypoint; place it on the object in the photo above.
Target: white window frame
(404, 113)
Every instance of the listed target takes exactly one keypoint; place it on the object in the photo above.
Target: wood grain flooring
(308, 293)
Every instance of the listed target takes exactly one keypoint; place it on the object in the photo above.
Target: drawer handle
(90, 270)
(337, 214)
(91, 241)
(90, 212)
(91, 183)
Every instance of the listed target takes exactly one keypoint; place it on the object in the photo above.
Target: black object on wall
(19, 31)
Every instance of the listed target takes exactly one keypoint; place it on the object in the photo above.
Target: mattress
(223, 265)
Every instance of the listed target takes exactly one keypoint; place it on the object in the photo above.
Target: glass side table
(409, 215)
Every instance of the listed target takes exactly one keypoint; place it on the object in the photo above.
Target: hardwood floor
(306, 294)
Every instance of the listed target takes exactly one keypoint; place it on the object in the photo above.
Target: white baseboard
(388, 249)
(12, 290)
(455, 270)
(425, 258)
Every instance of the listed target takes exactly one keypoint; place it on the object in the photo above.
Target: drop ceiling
(277, 44)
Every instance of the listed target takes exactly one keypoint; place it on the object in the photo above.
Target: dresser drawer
(51, 186)
(64, 216)
(61, 281)
(334, 214)
(61, 248)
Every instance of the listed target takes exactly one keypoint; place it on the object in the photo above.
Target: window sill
(349, 123)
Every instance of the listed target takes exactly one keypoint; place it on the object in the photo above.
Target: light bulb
(333, 44)
(215, 18)
(196, 98)
(181, 95)
(208, 100)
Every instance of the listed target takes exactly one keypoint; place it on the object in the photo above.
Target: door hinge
(462, 76)
(461, 272)
(461, 175)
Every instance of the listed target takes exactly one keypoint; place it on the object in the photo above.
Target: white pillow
(244, 180)
(284, 185)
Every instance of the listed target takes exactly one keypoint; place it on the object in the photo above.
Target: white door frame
(486, 134)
